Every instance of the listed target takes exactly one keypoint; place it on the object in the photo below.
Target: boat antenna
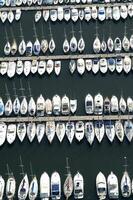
(21, 166)
(21, 88)
(29, 89)
(34, 29)
(125, 163)
(7, 91)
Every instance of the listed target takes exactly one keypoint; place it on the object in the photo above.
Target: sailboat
(22, 44)
(10, 16)
(110, 44)
(14, 45)
(10, 185)
(96, 45)
(40, 130)
(36, 44)
(32, 104)
(51, 42)
(73, 42)
(50, 130)
(81, 42)
(128, 129)
(21, 131)
(7, 47)
(38, 15)
(4, 16)
(125, 41)
(66, 46)
(33, 187)
(16, 102)
(8, 105)
(119, 131)
(44, 43)
(24, 103)
(68, 184)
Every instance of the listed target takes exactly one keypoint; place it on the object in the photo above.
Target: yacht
(24, 106)
(11, 133)
(74, 14)
(41, 67)
(11, 69)
(60, 131)
(48, 105)
(73, 44)
(89, 132)
(111, 64)
(57, 67)
(51, 45)
(127, 64)
(38, 15)
(79, 130)
(94, 12)
(113, 187)
(89, 104)
(8, 107)
(117, 45)
(65, 105)
(40, 106)
(123, 11)
(2, 187)
(53, 15)
(110, 44)
(70, 131)
(29, 48)
(3, 130)
(36, 47)
(72, 66)
(78, 182)
(98, 104)
(19, 67)
(128, 129)
(14, 48)
(2, 107)
(10, 186)
(116, 13)
(7, 48)
(110, 130)
(3, 67)
(103, 66)
(73, 105)
(44, 186)
(103, 46)
(80, 66)
(55, 186)
(119, 131)
(49, 66)
(87, 13)
(10, 16)
(99, 130)
(34, 66)
(125, 44)
(101, 186)
(60, 13)
(81, 44)
(130, 104)
(22, 47)
(16, 106)
(40, 131)
(107, 105)
(31, 131)
(31, 107)
(44, 46)
(67, 14)
(101, 13)
(50, 130)
(56, 104)
(23, 188)
(68, 184)
(96, 45)
(88, 64)
(46, 15)
(95, 66)
(33, 189)
(21, 131)
(114, 104)
(122, 105)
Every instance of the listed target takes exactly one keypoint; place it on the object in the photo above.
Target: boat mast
(8, 171)
(67, 166)
(96, 29)
(12, 34)
(6, 35)
(29, 89)
(22, 89)
(14, 89)
(21, 32)
(21, 166)
(50, 31)
(31, 170)
(34, 29)
(125, 164)
(80, 31)
(7, 92)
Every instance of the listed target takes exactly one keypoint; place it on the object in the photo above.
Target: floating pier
(66, 118)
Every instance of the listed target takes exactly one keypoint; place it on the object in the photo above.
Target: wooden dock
(66, 118)
(50, 7)
(66, 57)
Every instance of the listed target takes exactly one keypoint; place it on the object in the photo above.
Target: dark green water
(88, 160)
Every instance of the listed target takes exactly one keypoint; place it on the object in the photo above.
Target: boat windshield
(55, 189)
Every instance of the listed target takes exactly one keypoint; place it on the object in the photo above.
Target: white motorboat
(49, 66)
(127, 64)
(19, 67)
(31, 107)
(128, 129)
(99, 130)
(114, 104)
(130, 104)
(87, 13)
(95, 66)
(31, 131)
(2, 187)
(40, 131)
(111, 64)
(80, 66)
(3, 67)
(40, 105)
(110, 130)
(79, 130)
(70, 131)
(101, 13)
(48, 105)
(101, 186)
(38, 15)
(72, 66)
(73, 44)
(119, 131)
(103, 66)
(60, 13)
(88, 64)
(89, 104)
(94, 12)
(41, 67)
(14, 47)
(57, 67)
(73, 105)
(34, 66)
(123, 11)
(96, 45)
(107, 105)
(113, 187)
(81, 44)
(60, 130)
(122, 105)
(74, 14)
(119, 64)
(16, 106)
(22, 47)
(2, 107)
(98, 104)
(29, 48)
(33, 189)
(8, 107)
(51, 45)
(10, 16)
(116, 13)
(11, 133)
(53, 15)
(50, 130)
(89, 132)
(78, 182)
(44, 186)
(55, 186)
(24, 106)
(109, 12)
(7, 48)
(125, 44)
(46, 15)
(67, 14)
(65, 105)
(56, 104)
(10, 187)
(117, 45)
(11, 69)
(36, 47)
(3, 130)
(21, 131)
(23, 188)
(44, 46)
(110, 44)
